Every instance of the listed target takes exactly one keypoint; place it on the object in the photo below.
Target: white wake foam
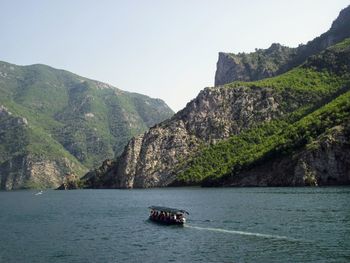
(236, 232)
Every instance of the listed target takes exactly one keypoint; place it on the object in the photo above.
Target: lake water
(224, 225)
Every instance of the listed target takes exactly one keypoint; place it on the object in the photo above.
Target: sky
(161, 48)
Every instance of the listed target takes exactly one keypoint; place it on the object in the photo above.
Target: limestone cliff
(263, 63)
(228, 127)
(153, 159)
(32, 171)
(277, 59)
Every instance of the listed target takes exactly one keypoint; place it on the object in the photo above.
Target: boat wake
(236, 232)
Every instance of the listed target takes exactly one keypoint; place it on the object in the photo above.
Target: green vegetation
(342, 46)
(269, 140)
(321, 79)
(69, 116)
(298, 80)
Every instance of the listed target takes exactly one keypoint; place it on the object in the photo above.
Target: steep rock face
(29, 171)
(327, 161)
(323, 162)
(152, 159)
(175, 151)
(218, 113)
(263, 63)
(277, 59)
(70, 181)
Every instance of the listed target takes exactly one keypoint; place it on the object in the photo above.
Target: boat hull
(166, 222)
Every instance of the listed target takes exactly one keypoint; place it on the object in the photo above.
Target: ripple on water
(225, 225)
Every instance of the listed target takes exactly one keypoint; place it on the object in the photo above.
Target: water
(224, 225)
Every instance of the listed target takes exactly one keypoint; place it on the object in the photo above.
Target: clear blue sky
(161, 48)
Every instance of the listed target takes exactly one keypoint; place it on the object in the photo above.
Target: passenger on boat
(154, 214)
(161, 216)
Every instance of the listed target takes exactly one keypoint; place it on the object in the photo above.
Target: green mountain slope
(324, 78)
(239, 133)
(52, 114)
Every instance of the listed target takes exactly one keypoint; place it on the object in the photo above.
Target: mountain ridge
(277, 59)
(79, 119)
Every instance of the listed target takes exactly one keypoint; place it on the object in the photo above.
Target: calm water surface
(225, 225)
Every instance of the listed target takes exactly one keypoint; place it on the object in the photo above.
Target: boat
(167, 215)
(39, 193)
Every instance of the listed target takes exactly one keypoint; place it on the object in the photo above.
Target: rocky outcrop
(70, 181)
(29, 171)
(325, 161)
(263, 63)
(153, 159)
(277, 59)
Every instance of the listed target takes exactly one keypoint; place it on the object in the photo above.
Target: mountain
(277, 59)
(53, 122)
(227, 131)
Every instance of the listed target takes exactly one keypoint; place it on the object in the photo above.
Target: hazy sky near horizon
(160, 48)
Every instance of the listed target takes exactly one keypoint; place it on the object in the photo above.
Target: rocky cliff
(150, 159)
(263, 63)
(166, 153)
(277, 59)
(53, 122)
(33, 171)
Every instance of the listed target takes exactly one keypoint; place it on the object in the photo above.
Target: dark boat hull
(166, 222)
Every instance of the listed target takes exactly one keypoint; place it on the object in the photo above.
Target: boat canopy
(168, 210)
